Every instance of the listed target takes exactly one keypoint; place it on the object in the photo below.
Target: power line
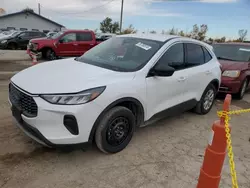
(75, 13)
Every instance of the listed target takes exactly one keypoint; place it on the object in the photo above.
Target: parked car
(8, 34)
(65, 43)
(104, 95)
(104, 36)
(50, 34)
(235, 61)
(19, 39)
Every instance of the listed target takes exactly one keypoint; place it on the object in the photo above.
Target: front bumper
(229, 85)
(3, 45)
(48, 127)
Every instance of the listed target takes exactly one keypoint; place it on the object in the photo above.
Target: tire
(243, 89)
(12, 46)
(118, 124)
(50, 55)
(208, 98)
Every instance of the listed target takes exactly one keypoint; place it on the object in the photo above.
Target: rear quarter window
(195, 55)
(207, 55)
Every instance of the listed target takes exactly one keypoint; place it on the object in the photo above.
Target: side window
(70, 37)
(207, 55)
(87, 36)
(174, 56)
(195, 55)
(24, 35)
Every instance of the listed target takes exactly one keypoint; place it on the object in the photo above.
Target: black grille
(22, 101)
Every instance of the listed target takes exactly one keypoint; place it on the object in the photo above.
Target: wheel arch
(131, 103)
(215, 83)
(12, 42)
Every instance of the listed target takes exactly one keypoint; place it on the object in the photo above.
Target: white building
(28, 20)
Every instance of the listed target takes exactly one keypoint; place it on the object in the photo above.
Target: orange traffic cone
(34, 59)
(210, 173)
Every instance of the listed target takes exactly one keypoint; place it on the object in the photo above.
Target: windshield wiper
(224, 58)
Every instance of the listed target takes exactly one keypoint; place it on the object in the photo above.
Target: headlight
(231, 73)
(73, 99)
(35, 46)
(4, 41)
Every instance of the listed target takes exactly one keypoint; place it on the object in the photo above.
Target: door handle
(208, 72)
(75, 44)
(181, 79)
(91, 44)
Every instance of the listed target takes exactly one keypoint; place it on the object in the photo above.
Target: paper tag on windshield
(244, 49)
(143, 46)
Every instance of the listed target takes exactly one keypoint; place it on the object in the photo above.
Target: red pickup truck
(69, 43)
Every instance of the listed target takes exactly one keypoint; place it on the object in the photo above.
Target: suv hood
(233, 65)
(6, 37)
(44, 40)
(66, 76)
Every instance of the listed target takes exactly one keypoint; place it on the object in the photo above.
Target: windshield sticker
(244, 49)
(143, 46)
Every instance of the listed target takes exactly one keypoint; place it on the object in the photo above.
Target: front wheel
(115, 130)
(207, 100)
(50, 54)
(243, 89)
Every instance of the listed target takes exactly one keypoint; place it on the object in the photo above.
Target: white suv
(112, 89)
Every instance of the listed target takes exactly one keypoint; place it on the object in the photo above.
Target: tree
(152, 32)
(199, 33)
(129, 30)
(210, 40)
(27, 9)
(107, 26)
(173, 31)
(242, 33)
(181, 33)
(223, 39)
(2, 11)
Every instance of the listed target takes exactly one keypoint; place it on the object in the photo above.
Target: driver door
(67, 45)
(166, 92)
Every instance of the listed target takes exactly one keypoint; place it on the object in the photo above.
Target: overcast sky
(224, 17)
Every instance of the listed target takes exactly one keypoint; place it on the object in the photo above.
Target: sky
(223, 17)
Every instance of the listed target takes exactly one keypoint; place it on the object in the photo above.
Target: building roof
(33, 13)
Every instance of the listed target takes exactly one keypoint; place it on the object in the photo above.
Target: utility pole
(121, 16)
(39, 9)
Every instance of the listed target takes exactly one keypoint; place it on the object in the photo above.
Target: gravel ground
(167, 154)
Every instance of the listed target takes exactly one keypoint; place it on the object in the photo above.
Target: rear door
(85, 41)
(199, 65)
(67, 45)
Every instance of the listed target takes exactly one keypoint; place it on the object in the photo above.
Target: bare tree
(242, 34)
(152, 32)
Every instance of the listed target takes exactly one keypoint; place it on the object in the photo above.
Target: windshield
(123, 54)
(57, 35)
(15, 33)
(232, 52)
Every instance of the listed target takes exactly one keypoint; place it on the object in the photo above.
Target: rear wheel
(115, 130)
(243, 89)
(207, 100)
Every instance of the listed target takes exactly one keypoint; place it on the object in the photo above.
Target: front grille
(22, 101)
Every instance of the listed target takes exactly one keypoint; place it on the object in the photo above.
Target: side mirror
(19, 37)
(162, 70)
